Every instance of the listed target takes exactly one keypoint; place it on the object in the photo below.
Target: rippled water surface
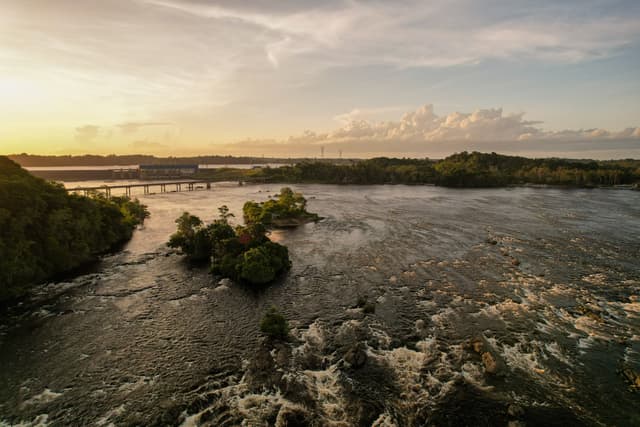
(544, 281)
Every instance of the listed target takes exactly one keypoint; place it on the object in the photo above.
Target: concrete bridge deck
(178, 185)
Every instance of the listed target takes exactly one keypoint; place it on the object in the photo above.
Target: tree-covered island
(460, 170)
(44, 231)
(243, 253)
(287, 209)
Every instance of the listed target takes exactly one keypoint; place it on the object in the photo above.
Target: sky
(407, 78)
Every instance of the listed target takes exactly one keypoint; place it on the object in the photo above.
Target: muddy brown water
(545, 280)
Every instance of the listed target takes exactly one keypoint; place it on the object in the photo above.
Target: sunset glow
(186, 77)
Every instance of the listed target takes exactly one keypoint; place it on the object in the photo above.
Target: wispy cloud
(133, 127)
(87, 133)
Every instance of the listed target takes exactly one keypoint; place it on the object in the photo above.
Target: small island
(287, 210)
(243, 253)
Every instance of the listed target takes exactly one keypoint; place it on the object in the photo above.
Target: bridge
(174, 186)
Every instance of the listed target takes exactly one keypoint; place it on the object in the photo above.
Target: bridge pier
(108, 190)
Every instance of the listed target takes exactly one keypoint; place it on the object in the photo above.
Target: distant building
(167, 171)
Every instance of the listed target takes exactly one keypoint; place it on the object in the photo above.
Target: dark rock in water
(491, 241)
(515, 411)
(468, 406)
(632, 377)
(356, 356)
(369, 308)
(489, 362)
(264, 366)
(515, 261)
(292, 417)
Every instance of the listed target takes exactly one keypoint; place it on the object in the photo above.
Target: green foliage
(286, 210)
(244, 253)
(458, 170)
(44, 231)
(191, 237)
(262, 263)
(274, 324)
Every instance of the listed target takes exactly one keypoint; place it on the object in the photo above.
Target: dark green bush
(274, 324)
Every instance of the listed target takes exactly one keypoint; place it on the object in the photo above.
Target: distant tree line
(44, 231)
(458, 170)
(31, 160)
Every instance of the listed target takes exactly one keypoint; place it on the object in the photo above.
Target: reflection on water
(490, 306)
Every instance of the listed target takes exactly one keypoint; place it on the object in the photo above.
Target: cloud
(132, 127)
(148, 146)
(423, 132)
(416, 33)
(482, 125)
(87, 133)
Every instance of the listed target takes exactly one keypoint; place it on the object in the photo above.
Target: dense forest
(458, 170)
(44, 231)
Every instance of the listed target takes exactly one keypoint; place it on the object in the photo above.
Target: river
(545, 281)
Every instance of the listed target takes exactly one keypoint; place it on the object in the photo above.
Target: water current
(483, 307)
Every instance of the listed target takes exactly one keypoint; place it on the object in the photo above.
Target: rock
(515, 261)
(517, 423)
(225, 282)
(477, 345)
(489, 362)
(356, 356)
(515, 411)
(369, 308)
(632, 377)
(491, 241)
(290, 416)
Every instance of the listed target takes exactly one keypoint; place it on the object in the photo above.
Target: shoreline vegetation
(45, 232)
(461, 170)
(243, 253)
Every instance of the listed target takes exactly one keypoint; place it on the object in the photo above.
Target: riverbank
(46, 232)
(463, 170)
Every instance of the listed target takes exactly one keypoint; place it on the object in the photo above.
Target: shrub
(274, 324)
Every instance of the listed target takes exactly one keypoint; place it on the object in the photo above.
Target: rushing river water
(491, 306)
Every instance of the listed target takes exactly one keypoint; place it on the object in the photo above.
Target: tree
(192, 238)
(274, 324)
